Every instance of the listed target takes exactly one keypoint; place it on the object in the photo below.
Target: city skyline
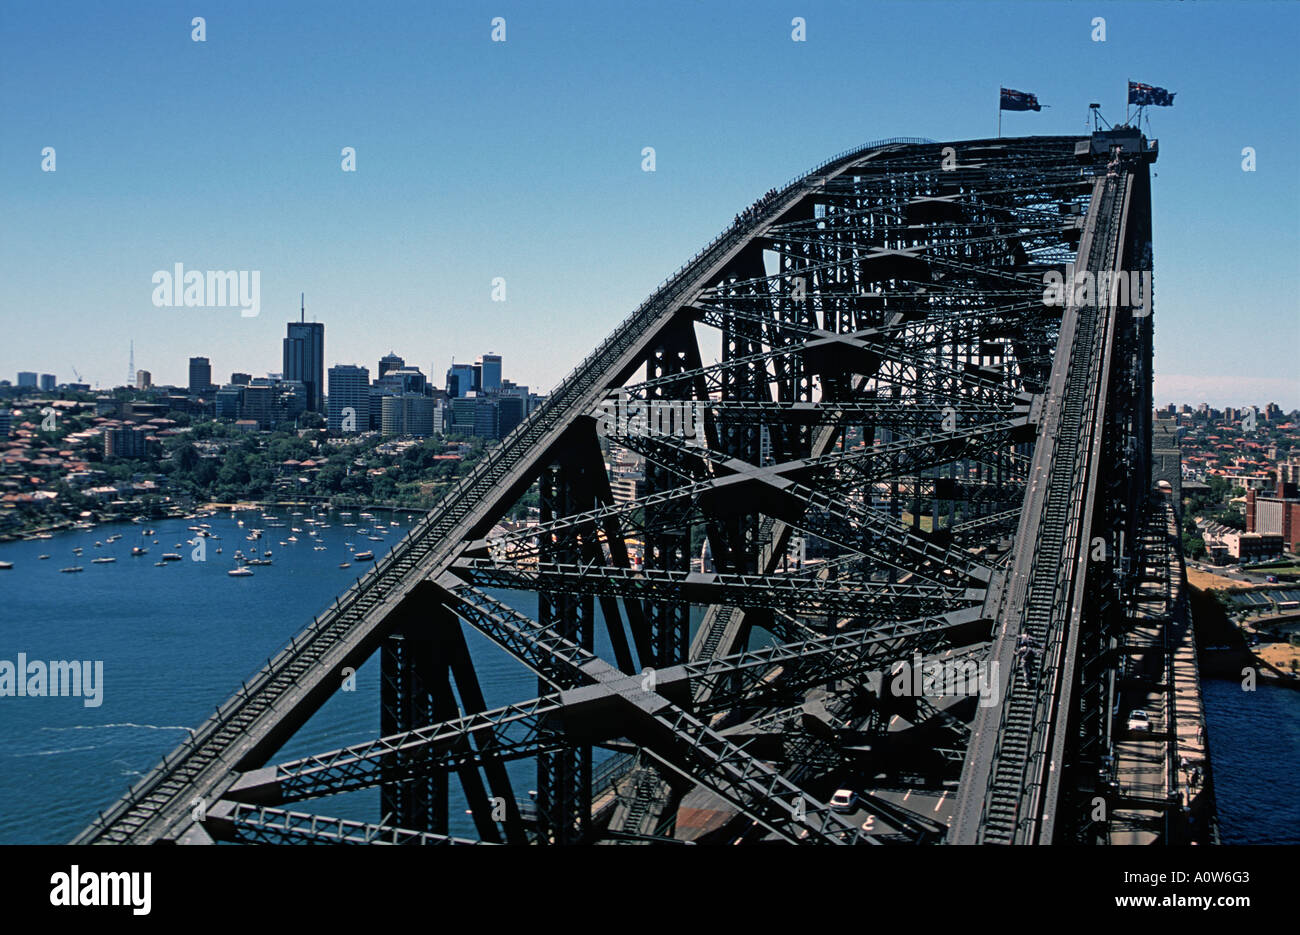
(532, 172)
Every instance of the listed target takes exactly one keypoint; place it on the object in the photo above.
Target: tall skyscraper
(200, 375)
(489, 367)
(47, 382)
(304, 358)
(26, 378)
(349, 404)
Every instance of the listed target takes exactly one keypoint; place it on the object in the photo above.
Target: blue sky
(522, 160)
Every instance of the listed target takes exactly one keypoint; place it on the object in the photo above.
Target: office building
(389, 362)
(200, 376)
(143, 379)
(349, 399)
(47, 382)
(489, 370)
(258, 405)
(229, 401)
(241, 379)
(460, 380)
(26, 378)
(510, 412)
(474, 415)
(404, 380)
(304, 360)
(408, 414)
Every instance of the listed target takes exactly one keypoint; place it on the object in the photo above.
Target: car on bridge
(1139, 722)
(843, 800)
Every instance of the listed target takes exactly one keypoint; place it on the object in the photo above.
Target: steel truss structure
(867, 447)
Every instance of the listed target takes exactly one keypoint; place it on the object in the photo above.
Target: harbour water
(175, 640)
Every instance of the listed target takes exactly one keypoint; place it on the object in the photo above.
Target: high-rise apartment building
(47, 382)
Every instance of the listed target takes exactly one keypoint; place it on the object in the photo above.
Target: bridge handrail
(654, 303)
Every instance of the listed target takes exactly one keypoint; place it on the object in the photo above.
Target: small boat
(5, 566)
(114, 538)
(375, 538)
(394, 523)
(345, 564)
(258, 561)
(77, 550)
(42, 556)
(240, 572)
(102, 560)
(171, 557)
(99, 545)
(318, 548)
(44, 535)
(69, 570)
(138, 550)
(293, 538)
(218, 550)
(282, 542)
(159, 564)
(267, 553)
(155, 542)
(148, 532)
(364, 556)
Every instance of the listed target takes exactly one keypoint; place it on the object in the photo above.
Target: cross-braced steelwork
(812, 501)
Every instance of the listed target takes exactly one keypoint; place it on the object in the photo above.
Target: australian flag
(1018, 100)
(1145, 94)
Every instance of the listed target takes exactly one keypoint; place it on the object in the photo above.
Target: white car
(843, 800)
(1139, 722)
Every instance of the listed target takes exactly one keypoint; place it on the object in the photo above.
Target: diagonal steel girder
(670, 734)
(527, 728)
